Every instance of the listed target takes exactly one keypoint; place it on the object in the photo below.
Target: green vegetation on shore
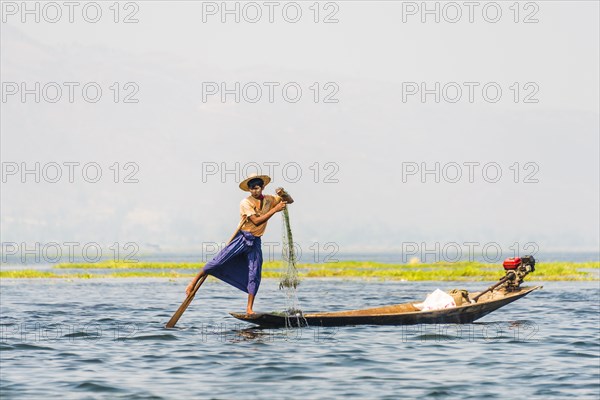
(460, 271)
(110, 264)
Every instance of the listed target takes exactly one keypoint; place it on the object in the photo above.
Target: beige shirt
(251, 206)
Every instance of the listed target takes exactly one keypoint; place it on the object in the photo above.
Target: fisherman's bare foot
(250, 312)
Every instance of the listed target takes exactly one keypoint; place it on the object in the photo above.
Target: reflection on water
(106, 339)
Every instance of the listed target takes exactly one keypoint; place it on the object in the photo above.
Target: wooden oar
(190, 297)
(185, 304)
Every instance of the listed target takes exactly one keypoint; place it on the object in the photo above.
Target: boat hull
(386, 316)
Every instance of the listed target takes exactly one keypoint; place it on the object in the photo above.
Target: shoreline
(459, 271)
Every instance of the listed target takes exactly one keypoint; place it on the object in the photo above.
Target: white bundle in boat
(438, 300)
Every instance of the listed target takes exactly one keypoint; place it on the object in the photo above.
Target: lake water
(104, 338)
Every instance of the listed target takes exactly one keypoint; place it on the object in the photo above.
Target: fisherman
(240, 262)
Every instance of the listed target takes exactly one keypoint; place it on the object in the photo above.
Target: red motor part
(512, 263)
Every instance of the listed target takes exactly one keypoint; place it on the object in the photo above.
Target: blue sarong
(239, 263)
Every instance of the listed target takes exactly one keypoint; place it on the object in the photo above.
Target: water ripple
(109, 345)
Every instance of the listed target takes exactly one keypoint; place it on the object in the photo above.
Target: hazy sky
(360, 148)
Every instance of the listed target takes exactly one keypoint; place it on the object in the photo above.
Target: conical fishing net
(289, 277)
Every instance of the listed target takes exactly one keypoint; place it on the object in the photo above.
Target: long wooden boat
(398, 314)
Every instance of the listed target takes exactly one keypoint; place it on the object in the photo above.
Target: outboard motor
(516, 269)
